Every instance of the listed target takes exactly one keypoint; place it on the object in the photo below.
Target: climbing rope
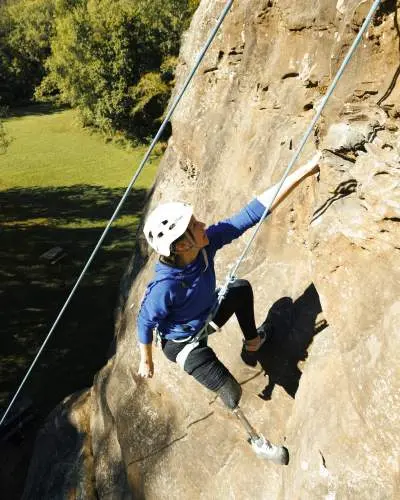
(232, 273)
(169, 114)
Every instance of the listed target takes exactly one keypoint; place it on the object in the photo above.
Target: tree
(26, 29)
(113, 59)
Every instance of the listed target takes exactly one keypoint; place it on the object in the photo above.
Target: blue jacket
(178, 300)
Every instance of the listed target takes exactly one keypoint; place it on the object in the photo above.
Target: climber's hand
(312, 166)
(146, 368)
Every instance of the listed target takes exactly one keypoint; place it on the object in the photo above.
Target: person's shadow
(292, 326)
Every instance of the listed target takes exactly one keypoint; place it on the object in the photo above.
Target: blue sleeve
(224, 232)
(155, 306)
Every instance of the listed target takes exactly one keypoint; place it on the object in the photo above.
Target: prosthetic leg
(230, 394)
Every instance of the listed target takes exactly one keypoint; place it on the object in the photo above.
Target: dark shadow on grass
(35, 109)
(33, 290)
(293, 326)
(67, 204)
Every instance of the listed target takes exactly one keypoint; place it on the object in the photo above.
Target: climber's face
(197, 230)
(195, 237)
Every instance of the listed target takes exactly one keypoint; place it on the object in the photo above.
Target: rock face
(62, 466)
(325, 268)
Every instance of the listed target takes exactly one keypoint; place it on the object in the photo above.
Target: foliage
(112, 59)
(5, 140)
(26, 29)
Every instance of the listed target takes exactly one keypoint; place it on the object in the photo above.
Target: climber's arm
(226, 231)
(291, 182)
(146, 366)
(155, 306)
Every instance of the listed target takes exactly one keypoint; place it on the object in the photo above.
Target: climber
(179, 298)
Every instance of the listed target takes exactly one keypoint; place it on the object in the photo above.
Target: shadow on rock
(62, 462)
(292, 326)
(342, 190)
(384, 9)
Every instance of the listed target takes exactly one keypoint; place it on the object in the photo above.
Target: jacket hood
(164, 271)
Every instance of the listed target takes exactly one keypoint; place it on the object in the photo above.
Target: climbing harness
(184, 353)
(168, 116)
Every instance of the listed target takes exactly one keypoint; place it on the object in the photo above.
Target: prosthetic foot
(230, 394)
(261, 446)
(264, 449)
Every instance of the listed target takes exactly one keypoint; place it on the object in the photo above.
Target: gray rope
(232, 273)
(128, 189)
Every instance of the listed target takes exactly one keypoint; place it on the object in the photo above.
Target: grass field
(51, 149)
(59, 184)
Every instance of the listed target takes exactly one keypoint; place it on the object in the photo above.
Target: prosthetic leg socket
(230, 393)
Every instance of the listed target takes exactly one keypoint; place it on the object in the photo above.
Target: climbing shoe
(265, 333)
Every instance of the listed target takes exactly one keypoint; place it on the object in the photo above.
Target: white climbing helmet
(165, 224)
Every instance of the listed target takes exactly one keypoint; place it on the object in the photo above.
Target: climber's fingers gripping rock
(146, 365)
(146, 369)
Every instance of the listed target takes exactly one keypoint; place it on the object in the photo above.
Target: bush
(114, 61)
(26, 30)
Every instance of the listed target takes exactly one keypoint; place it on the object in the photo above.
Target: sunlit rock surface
(325, 269)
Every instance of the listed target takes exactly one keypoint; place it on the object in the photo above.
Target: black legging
(239, 300)
(202, 363)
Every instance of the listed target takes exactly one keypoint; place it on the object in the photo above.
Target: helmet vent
(171, 226)
(160, 235)
(151, 235)
(164, 222)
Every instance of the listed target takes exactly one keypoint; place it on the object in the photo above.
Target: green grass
(53, 150)
(59, 185)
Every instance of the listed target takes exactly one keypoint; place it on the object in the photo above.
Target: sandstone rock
(358, 129)
(62, 466)
(329, 255)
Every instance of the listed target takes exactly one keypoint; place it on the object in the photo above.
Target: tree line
(113, 60)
